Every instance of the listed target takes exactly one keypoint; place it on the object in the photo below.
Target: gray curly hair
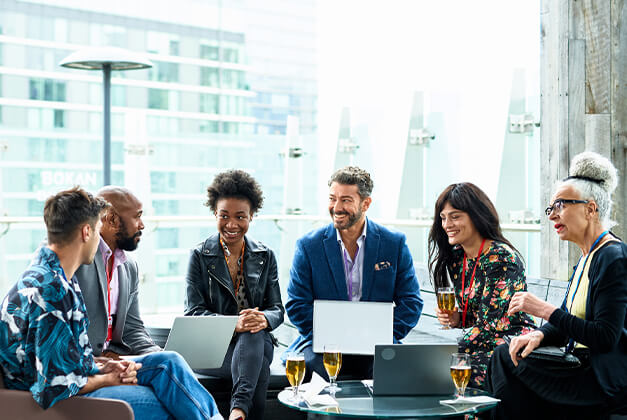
(595, 178)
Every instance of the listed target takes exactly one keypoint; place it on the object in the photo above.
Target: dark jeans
(247, 364)
(353, 366)
(539, 389)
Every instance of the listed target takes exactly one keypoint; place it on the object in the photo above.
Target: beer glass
(295, 372)
(460, 372)
(446, 301)
(332, 360)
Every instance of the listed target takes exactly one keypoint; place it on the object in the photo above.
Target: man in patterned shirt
(44, 347)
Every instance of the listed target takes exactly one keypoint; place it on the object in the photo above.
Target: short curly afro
(234, 183)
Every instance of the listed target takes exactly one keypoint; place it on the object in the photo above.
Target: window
(157, 99)
(209, 52)
(164, 72)
(209, 76)
(209, 103)
(59, 118)
(46, 90)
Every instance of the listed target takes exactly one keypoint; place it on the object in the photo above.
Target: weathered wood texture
(584, 92)
(618, 111)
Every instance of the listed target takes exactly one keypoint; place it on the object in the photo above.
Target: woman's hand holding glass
(446, 311)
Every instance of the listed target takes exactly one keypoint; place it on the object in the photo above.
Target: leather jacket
(210, 291)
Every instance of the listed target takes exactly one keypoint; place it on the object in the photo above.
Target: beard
(124, 241)
(350, 222)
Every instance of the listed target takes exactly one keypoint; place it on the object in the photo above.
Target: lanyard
(109, 317)
(240, 268)
(472, 282)
(571, 342)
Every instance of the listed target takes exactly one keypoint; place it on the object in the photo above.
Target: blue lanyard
(571, 342)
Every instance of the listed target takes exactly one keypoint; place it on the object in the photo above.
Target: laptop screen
(355, 327)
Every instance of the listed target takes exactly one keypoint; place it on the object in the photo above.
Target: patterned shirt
(500, 274)
(44, 347)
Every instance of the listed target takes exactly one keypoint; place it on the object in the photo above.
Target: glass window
(158, 99)
(209, 76)
(59, 118)
(209, 52)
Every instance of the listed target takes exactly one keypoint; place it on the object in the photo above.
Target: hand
(252, 320)
(449, 318)
(125, 370)
(522, 345)
(531, 304)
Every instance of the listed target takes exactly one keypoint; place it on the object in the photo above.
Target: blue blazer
(318, 273)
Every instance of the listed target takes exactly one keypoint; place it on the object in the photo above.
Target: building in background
(218, 97)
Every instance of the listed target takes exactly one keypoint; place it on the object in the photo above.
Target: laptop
(201, 340)
(355, 327)
(413, 369)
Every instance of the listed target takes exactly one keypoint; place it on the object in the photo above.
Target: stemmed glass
(460, 372)
(295, 372)
(332, 360)
(446, 301)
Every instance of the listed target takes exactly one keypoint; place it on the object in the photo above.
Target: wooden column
(583, 104)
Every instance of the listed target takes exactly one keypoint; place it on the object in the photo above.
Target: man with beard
(354, 259)
(109, 284)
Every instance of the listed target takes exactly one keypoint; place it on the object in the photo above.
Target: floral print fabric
(499, 275)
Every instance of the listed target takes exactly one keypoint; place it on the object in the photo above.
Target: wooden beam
(596, 14)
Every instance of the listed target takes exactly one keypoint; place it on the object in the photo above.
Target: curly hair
(234, 183)
(353, 175)
(596, 178)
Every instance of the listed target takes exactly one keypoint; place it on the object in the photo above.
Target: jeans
(167, 388)
(247, 364)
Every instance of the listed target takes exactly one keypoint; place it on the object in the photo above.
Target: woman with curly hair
(232, 274)
(485, 268)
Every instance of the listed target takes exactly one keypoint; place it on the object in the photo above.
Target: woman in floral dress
(467, 246)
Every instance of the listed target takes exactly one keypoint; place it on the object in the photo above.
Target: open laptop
(413, 369)
(355, 327)
(201, 340)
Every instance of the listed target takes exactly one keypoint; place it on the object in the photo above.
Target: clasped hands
(118, 372)
(251, 320)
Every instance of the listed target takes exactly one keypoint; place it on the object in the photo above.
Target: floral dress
(499, 275)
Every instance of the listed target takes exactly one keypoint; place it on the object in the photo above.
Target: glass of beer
(332, 360)
(295, 371)
(460, 372)
(446, 301)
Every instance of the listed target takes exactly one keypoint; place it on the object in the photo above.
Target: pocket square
(382, 265)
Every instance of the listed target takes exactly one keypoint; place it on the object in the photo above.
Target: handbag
(555, 355)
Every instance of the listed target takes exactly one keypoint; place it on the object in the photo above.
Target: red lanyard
(240, 269)
(109, 317)
(472, 282)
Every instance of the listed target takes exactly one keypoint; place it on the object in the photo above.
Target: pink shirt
(119, 259)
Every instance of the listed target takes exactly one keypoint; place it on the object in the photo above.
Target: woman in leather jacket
(232, 274)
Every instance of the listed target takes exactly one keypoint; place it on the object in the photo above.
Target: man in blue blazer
(351, 259)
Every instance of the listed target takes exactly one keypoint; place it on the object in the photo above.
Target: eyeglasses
(558, 205)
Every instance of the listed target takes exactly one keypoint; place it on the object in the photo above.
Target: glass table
(356, 400)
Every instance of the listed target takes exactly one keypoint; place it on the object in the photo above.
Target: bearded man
(351, 259)
(110, 283)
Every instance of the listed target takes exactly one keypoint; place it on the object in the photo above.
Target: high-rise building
(218, 97)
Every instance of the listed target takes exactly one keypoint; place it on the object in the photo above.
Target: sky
(373, 56)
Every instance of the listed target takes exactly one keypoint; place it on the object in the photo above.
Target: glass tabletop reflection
(356, 400)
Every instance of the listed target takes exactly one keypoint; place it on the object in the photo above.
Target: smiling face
(572, 221)
(346, 207)
(458, 226)
(234, 217)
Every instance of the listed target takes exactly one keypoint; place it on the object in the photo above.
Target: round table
(356, 400)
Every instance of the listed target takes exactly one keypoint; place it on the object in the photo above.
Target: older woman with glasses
(591, 322)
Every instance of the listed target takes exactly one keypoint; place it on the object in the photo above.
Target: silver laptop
(413, 369)
(355, 327)
(201, 340)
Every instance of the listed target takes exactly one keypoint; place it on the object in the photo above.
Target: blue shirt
(44, 347)
(354, 270)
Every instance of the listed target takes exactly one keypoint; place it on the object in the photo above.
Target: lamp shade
(94, 58)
